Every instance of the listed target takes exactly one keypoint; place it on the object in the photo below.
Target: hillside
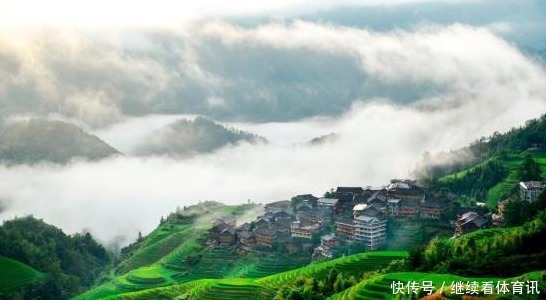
(71, 263)
(260, 288)
(15, 275)
(41, 140)
(186, 138)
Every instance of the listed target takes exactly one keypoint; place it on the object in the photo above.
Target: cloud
(161, 12)
(389, 95)
(274, 72)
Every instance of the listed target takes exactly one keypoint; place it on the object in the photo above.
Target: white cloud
(145, 13)
(473, 84)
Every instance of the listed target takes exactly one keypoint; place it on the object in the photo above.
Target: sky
(392, 79)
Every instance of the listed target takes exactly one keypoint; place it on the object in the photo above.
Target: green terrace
(15, 275)
(240, 288)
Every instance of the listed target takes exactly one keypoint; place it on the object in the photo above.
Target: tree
(530, 170)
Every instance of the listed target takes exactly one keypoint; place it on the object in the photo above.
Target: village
(350, 217)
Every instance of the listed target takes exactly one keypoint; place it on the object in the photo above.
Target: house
(330, 203)
(262, 223)
(371, 231)
(408, 208)
(282, 216)
(346, 229)
(348, 194)
(379, 196)
(265, 237)
(328, 243)
(247, 240)
(374, 210)
(215, 231)
(303, 207)
(278, 205)
(297, 229)
(307, 198)
(529, 190)
(314, 216)
(393, 207)
(329, 240)
(229, 220)
(432, 210)
(242, 227)
(227, 236)
(405, 189)
(470, 221)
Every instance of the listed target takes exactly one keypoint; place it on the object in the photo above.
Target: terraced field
(380, 287)
(265, 287)
(15, 275)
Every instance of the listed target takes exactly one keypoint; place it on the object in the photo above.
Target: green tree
(530, 170)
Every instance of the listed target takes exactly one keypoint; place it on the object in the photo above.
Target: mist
(389, 95)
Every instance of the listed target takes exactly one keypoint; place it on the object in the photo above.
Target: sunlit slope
(14, 275)
(265, 287)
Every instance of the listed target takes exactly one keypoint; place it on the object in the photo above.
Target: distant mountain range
(41, 140)
(186, 138)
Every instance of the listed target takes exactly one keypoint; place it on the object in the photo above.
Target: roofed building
(265, 237)
(371, 231)
(297, 229)
(529, 190)
(432, 209)
(405, 190)
(346, 229)
(470, 221)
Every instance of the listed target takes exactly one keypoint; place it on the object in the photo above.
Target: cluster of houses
(347, 215)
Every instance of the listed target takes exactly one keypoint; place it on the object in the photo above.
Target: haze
(393, 81)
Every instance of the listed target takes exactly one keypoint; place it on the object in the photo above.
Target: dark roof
(408, 203)
(346, 221)
(472, 218)
(219, 228)
(244, 226)
(265, 231)
(434, 204)
(349, 190)
(245, 234)
(315, 212)
(282, 214)
(303, 207)
(378, 196)
(371, 212)
(228, 230)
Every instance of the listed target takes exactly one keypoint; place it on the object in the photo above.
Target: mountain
(40, 140)
(324, 139)
(71, 263)
(18, 276)
(186, 138)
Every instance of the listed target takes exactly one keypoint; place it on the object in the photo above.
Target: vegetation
(38, 140)
(71, 263)
(14, 276)
(329, 277)
(185, 137)
(492, 252)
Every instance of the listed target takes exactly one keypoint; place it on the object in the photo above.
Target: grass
(512, 163)
(15, 275)
(255, 288)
